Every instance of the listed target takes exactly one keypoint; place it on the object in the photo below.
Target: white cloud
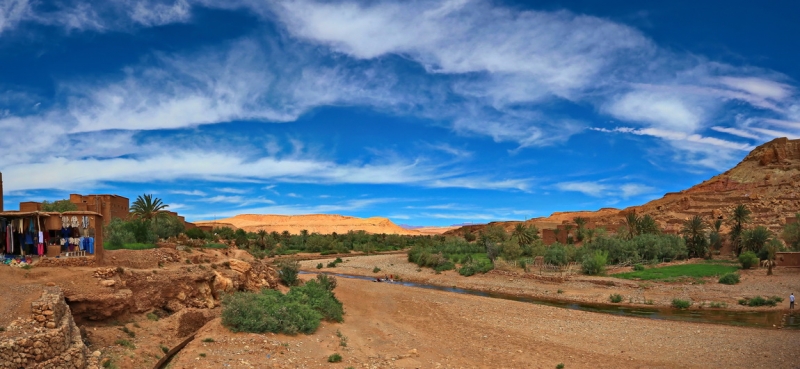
(604, 189)
(759, 87)
(658, 109)
(239, 191)
(588, 188)
(736, 132)
(188, 193)
(12, 12)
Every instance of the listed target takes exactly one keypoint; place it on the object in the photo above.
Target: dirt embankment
(313, 223)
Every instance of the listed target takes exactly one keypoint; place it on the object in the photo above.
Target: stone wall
(787, 259)
(72, 261)
(56, 344)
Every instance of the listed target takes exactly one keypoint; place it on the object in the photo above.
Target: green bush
(214, 245)
(560, 366)
(595, 263)
(298, 311)
(153, 317)
(288, 270)
(473, 267)
(335, 358)
(556, 254)
(760, 301)
(615, 298)
(446, 266)
(730, 278)
(748, 260)
(638, 267)
(376, 270)
(681, 304)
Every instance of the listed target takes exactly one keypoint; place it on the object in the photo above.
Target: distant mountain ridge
(314, 223)
(767, 181)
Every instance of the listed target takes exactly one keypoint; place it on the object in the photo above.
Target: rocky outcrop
(767, 181)
(122, 291)
(49, 339)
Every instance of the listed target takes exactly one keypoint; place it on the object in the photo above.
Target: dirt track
(394, 326)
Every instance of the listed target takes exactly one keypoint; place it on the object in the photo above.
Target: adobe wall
(56, 344)
(787, 259)
(110, 206)
(30, 206)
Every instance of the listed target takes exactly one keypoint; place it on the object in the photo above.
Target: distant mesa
(317, 223)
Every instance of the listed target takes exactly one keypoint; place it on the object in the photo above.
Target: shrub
(164, 349)
(319, 266)
(331, 265)
(615, 298)
(335, 358)
(298, 311)
(594, 263)
(560, 366)
(446, 266)
(326, 281)
(125, 343)
(730, 278)
(376, 270)
(288, 269)
(152, 317)
(718, 305)
(556, 254)
(215, 245)
(681, 304)
(208, 340)
(473, 267)
(638, 267)
(748, 259)
(760, 301)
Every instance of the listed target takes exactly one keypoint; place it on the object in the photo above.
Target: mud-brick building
(110, 206)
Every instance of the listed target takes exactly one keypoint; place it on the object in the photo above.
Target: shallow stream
(759, 319)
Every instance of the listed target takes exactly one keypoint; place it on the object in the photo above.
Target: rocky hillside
(319, 223)
(767, 181)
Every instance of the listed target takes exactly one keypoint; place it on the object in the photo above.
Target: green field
(678, 272)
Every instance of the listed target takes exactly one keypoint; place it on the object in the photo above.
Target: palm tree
(772, 247)
(146, 207)
(694, 233)
(648, 225)
(741, 215)
(262, 238)
(715, 238)
(632, 223)
(581, 223)
(755, 239)
(523, 234)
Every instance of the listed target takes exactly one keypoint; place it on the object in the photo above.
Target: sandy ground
(579, 287)
(391, 326)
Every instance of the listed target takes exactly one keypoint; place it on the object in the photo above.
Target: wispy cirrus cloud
(606, 189)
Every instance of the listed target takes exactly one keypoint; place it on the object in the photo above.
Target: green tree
(59, 206)
(581, 223)
(524, 235)
(148, 208)
(772, 247)
(715, 237)
(740, 217)
(648, 225)
(632, 225)
(755, 239)
(694, 233)
(791, 234)
(262, 238)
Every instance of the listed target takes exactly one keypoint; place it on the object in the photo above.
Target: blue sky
(426, 112)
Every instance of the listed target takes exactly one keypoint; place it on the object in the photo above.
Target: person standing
(791, 301)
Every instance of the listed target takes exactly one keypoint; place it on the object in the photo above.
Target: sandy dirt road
(391, 326)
